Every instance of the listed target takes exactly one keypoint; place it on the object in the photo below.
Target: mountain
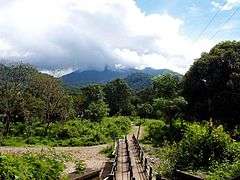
(131, 75)
(138, 81)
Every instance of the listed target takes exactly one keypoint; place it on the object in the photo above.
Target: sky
(59, 36)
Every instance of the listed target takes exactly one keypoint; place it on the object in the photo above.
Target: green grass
(108, 151)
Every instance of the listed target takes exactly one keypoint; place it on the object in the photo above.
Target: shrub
(202, 145)
(168, 158)
(227, 170)
(31, 166)
(108, 151)
(80, 167)
(157, 132)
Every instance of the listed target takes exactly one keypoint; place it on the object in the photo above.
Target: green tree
(169, 108)
(14, 81)
(93, 93)
(118, 97)
(145, 110)
(212, 85)
(57, 104)
(96, 111)
(166, 86)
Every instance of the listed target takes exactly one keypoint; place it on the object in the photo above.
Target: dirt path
(90, 155)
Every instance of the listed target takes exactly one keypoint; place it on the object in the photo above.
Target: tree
(93, 93)
(212, 85)
(96, 111)
(57, 104)
(118, 96)
(145, 110)
(166, 86)
(13, 88)
(169, 108)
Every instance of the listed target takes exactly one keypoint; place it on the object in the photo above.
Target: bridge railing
(147, 167)
(129, 160)
(112, 175)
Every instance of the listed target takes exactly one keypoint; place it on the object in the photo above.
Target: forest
(190, 122)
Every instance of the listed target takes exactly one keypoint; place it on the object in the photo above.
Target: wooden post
(131, 172)
(141, 157)
(150, 173)
(145, 164)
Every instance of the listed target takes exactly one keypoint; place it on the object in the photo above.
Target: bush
(202, 145)
(75, 132)
(227, 170)
(108, 151)
(168, 158)
(115, 127)
(80, 167)
(157, 132)
(30, 166)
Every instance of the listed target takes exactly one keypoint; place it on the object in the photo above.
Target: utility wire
(227, 20)
(211, 21)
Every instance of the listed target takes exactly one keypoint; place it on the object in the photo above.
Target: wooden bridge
(129, 162)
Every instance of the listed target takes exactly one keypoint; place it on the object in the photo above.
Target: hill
(134, 77)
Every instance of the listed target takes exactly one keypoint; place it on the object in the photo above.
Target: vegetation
(108, 151)
(194, 147)
(70, 133)
(32, 166)
(37, 109)
(211, 86)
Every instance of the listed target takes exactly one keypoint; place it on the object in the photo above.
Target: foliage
(118, 96)
(31, 166)
(226, 170)
(211, 86)
(145, 110)
(96, 111)
(168, 157)
(166, 85)
(202, 145)
(200, 148)
(80, 167)
(72, 133)
(159, 133)
(27, 94)
(139, 81)
(169, 108)
(108, 151)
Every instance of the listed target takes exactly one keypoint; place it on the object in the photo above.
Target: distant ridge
(132, 76)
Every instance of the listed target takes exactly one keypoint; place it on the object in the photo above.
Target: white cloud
(69, 34)
(229, 4)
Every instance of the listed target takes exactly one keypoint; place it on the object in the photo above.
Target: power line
(227, 20)
(211, 21)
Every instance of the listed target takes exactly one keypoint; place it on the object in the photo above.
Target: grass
(108, 151)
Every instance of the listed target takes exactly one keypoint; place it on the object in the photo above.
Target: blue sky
(196, 14)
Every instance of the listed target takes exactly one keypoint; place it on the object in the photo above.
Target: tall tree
(13, 88)
(57, 103)
(118, 96)
(212, 85)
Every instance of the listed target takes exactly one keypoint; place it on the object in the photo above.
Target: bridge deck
(122, 172)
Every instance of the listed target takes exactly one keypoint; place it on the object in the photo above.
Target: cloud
(70, 34)
(229, 4)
